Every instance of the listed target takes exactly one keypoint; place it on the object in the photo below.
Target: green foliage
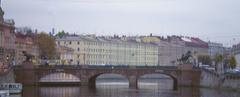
(218, 58)
(232, 62)
(62, 33)
(47, 46)
(205, 59)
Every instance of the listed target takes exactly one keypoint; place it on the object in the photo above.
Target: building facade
(196, 46)
(169, 53)
(7, 39)
(236, 52)
(65, 55)
(110, 51)
(215, 48)
(25, 43)
(172, 48)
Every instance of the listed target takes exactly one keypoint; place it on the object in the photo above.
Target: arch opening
(157, 81)
(59, 77)
(109, 80)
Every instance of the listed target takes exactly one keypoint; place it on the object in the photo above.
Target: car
(210, 68)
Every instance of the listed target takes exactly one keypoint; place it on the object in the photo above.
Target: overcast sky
(215, 20)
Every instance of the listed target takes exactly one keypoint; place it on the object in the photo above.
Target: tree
(61, 34)
(47, 46)
(205, 59)
(218, 59)
(232, 62)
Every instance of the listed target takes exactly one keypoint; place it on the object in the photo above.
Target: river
(119, 88)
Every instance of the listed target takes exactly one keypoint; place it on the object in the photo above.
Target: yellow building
(109, 51)
(148, 39)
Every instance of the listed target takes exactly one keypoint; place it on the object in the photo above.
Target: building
(169, 53)
(149, 39)
(171, 49)
(215, 48)
(25, 43)
(110, 51)
(236, 52)
(65, 55)
(195, 45)
(7, 39)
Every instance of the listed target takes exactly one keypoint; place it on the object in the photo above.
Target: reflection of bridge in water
(59, 77)
(87, 75)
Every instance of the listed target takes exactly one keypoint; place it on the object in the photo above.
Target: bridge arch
(173, 77)
(59, 77)
(92, 79)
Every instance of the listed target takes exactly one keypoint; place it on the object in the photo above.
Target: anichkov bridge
(182, 75)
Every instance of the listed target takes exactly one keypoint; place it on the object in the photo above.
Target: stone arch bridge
(31, 75)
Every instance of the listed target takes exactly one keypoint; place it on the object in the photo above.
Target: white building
(169, 53)
(65, 55)
(215, 48)
(109, 51)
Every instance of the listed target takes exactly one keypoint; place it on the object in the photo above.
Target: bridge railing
(108, 66)
(102, 66)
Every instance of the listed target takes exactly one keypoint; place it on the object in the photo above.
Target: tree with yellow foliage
(47, 46)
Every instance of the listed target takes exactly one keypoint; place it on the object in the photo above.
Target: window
(78, 49)
(70, 42)
(78, 42)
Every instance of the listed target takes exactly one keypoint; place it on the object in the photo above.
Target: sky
(214, 20)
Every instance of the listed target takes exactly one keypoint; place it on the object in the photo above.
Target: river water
(119, 88)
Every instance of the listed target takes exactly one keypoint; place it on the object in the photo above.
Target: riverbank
(222, 88)
(213, 80)
(7, 77)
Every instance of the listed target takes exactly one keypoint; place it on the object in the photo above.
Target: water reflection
(107, 88)
(61, 92)
(60, 77)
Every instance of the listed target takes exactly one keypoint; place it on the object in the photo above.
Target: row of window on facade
(117, 57)
(108, 44)
(117, 63)
(136, 52)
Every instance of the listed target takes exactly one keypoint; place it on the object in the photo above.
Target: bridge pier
(175, 84)
(133, 83)
(187, 76)
(84, 82)
(26, 75)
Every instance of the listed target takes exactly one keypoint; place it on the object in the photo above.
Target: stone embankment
(7, 77)
(211, 79)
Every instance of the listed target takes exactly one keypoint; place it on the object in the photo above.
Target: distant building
(7, 39)
(215, 48)
(169, 53)
(236, 52)
(23, 30)
(170, 49)
(196, 45)
(25, 43)
(94, 50)
(65, 55)
(149, 39)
